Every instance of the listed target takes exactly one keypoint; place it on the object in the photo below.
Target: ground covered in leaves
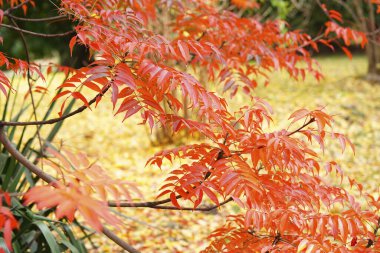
(123, 148)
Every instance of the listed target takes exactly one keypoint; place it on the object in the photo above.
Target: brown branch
(23, 160)
(154, 205)
(51, 180)
(150, 204)
(56, 18)
(301, 127)
(16, 7)
(29, 77)
(119, 241)
(56, 120)
(44, 35)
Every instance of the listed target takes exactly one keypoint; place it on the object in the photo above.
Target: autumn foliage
(274, 176)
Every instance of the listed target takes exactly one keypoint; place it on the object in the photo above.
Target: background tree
(44, 20)
(362, 16)
(311, 16)
(272, 175)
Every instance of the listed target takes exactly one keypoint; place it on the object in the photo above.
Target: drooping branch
(44, 35)
(48, 19)
(51, 180)
(23, 160)
(119, 241)
(56, 120)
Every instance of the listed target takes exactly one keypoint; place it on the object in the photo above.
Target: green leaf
(3, 161)
(58, 126)
(78, 243)
(64, 239)
(50, 239)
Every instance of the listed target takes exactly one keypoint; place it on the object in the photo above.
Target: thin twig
(301, 127)
(56, 120)
(16, 7)
(29, 77)
(157, 206)
(44, 35)
(141, 204)
(56, 18)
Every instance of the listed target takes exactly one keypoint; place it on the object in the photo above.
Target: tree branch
(150, 204)
(154, 205)
(119, 241)
(56, 18)
(301, 127)
(51, 180)
(55, 120)
(29, 83)
(23, 160)
(44, 35)
(16, 7)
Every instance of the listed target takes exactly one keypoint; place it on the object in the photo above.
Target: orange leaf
(61, 94)
(72, 43)
(78, 95)
(347, 52)
(173, 199)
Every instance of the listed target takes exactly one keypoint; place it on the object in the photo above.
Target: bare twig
(56, 120)
(44, 35)
(301, 127)
(56, 18)
(140, 204)
(29, 77)
(16, 7)
(154, 205)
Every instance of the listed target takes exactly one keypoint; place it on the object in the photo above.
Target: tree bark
(373, 57)
(373, 47)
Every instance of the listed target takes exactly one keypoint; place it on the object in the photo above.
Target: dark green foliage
(40, 47)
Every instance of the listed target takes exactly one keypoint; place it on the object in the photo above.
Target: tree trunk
(373, 56)
(373, 48)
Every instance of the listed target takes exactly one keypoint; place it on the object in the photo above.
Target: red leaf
(184, 49)
(1, 16)
(7, 198)
(211, 195)
(92, 86)
(61, 94)
(299, 114)
(131, 112)
(8, 233)
(347, 52)
(354, 241)
(174, 201)
(71, 44)
(78, 95)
